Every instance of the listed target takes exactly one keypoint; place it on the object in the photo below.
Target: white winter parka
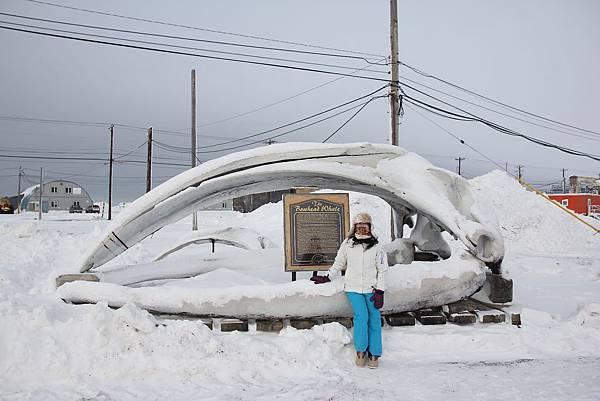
(365, 268)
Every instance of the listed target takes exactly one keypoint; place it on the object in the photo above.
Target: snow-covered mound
(50, 350)
(528, 221)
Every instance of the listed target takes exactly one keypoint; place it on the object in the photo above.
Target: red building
(579, 203)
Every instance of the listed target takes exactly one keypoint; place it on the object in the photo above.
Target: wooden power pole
(460, 159)
(149, 162)
(19, 192)
(564, 183)
(394, 87)
(41, 190)
(194, 215)
(110, 171)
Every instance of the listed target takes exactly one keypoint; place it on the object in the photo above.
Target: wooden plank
(269, 325)
(346, 322)
(430, 316)
(228, 325)
(400, 319)
(302, 324)
(462, 318)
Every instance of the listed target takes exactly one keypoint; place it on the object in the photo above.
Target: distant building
(585, 185)
(249, 203)
(56, 195)
(579, 203)
(225, 205)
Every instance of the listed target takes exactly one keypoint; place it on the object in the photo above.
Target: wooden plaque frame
(302, 218)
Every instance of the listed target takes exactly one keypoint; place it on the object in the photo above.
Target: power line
(290, 131)
(276, 102)
(190, 47)
(217, 42)
(474, 118)
(203, 29)
(499, 112)
(302, 119)
(456, 137)
(351, 117)
(289, 67)
(496, 101)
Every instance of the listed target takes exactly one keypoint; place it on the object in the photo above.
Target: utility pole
(41, 189)
(149, 162)
(564, 182)
(194, 215)
(460, 159)
(110, 171)
(394, 88)
(520, 172)
(19, 193)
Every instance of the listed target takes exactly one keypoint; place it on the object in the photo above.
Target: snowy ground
(53, 351)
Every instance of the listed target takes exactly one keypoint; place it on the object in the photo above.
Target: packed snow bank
(528, 221)
(52, 351)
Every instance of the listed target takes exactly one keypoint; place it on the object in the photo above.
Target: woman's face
(362, 229)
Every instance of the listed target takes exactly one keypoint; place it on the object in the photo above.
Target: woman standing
(365, 263)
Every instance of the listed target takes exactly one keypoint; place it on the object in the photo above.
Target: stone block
(269, 325)
(400, 319)
(501, 288)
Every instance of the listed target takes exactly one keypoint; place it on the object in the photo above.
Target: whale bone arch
(406, 181)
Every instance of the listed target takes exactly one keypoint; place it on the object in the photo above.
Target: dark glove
(320, 279)
(377, 298)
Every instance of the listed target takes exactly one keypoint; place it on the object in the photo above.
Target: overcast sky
(541, 56)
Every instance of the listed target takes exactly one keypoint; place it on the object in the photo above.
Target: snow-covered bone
(240, 237)
(428, 238)
(409, 287)
(406, 181)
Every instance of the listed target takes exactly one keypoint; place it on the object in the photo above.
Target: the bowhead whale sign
(315, 226)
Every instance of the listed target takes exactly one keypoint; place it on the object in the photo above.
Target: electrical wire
(289, 67)
(214, 42)
(203, 29)
(276, 102)
(427, 75)
(474, 118)
(288, 132)
(351, 117)
(501, 113)
(189, 47)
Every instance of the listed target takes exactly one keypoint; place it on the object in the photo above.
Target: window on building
(54, 203)
(76, 203)
(565, 202)
(54, 189)
(68, 190)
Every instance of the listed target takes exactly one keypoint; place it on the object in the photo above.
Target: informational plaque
(315, 226)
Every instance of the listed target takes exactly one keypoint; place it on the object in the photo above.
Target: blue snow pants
(367, 323)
